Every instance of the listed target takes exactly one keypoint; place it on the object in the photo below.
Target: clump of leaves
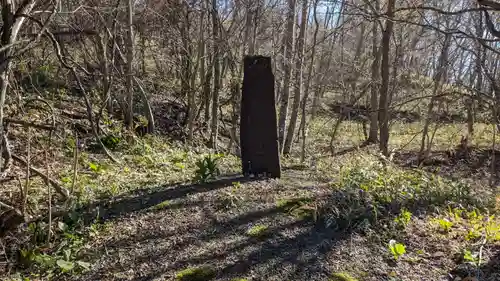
(257, 230)
(196, 274)
(342, 276)
(486, 226)
(444, 224)
(64, 259)
(396, 249)
(403, 219)
(110, 141)
(301, 208)
(161, 205)
(96, 167)
(207, 169)
(469, 257)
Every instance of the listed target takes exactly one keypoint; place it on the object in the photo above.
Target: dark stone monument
(258, 125)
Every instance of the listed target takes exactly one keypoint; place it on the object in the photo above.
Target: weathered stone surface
(259, 135)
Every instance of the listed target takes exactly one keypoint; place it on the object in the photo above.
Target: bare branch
(61, 190)
(489, 3)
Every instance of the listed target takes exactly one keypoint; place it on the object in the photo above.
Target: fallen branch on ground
(61, 190)
(29, 124)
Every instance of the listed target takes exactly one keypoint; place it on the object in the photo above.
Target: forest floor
(342, 213)
(280, 230)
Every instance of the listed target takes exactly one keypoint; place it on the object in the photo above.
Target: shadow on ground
(492, 268)
(115, 207)
(209, 228)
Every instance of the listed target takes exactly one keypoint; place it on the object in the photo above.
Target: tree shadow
(114, 207)
(489, 271)
(292, 249)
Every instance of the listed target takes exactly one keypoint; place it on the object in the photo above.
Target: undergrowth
(145, 163)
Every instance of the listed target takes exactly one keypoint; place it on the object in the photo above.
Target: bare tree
(287, 69)
(129, 113)
(214, 131)
(384, 85)
(298, 69)
(373, 133)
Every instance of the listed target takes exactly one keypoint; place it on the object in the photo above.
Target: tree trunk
(439, 79)
(200, 64)
(288, 52)
(217, 73)
(249, 28)
(106, 77)
(303, 125)
(384, 87)
(298, 79)
(10, 28)
(373, 134)
(129, 113)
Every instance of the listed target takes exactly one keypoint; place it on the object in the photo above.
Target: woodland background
(102, 102)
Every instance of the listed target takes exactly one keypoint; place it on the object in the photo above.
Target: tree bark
(129, 113)
(217, 73)
(287, 69)
(10, 29)
(303, 121)
(298, 79)
(375, 77)
(384, 87)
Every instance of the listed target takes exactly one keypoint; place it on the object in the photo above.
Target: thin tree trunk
(303, 125)
(10, 28)
(287, 69)
(129, 115)
(249, 27)
(106, 79)
(373, 134)
(200, 64)
(384, 87)
(217, 73)
(298, 79)
(439, 79)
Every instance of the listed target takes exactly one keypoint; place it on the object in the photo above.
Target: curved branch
(489, 3)
(490, 25)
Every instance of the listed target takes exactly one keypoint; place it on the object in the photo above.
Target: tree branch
(29, 124)
(489, 3)
(61, 190)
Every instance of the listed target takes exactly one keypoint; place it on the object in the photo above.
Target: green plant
(469, 257)
(492, 229)
(444, 224)
(396, 249)
(111, 141)
(207, 168)
(64, 259)
(342, 276)
(403, 219)
(162, 205)
(204, 273)
(257, 230)
(97, 168)
(301, 208)
(236, 186)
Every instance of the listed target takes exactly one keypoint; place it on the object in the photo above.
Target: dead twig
(61, 190)
(7, 206)
(29, 124)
